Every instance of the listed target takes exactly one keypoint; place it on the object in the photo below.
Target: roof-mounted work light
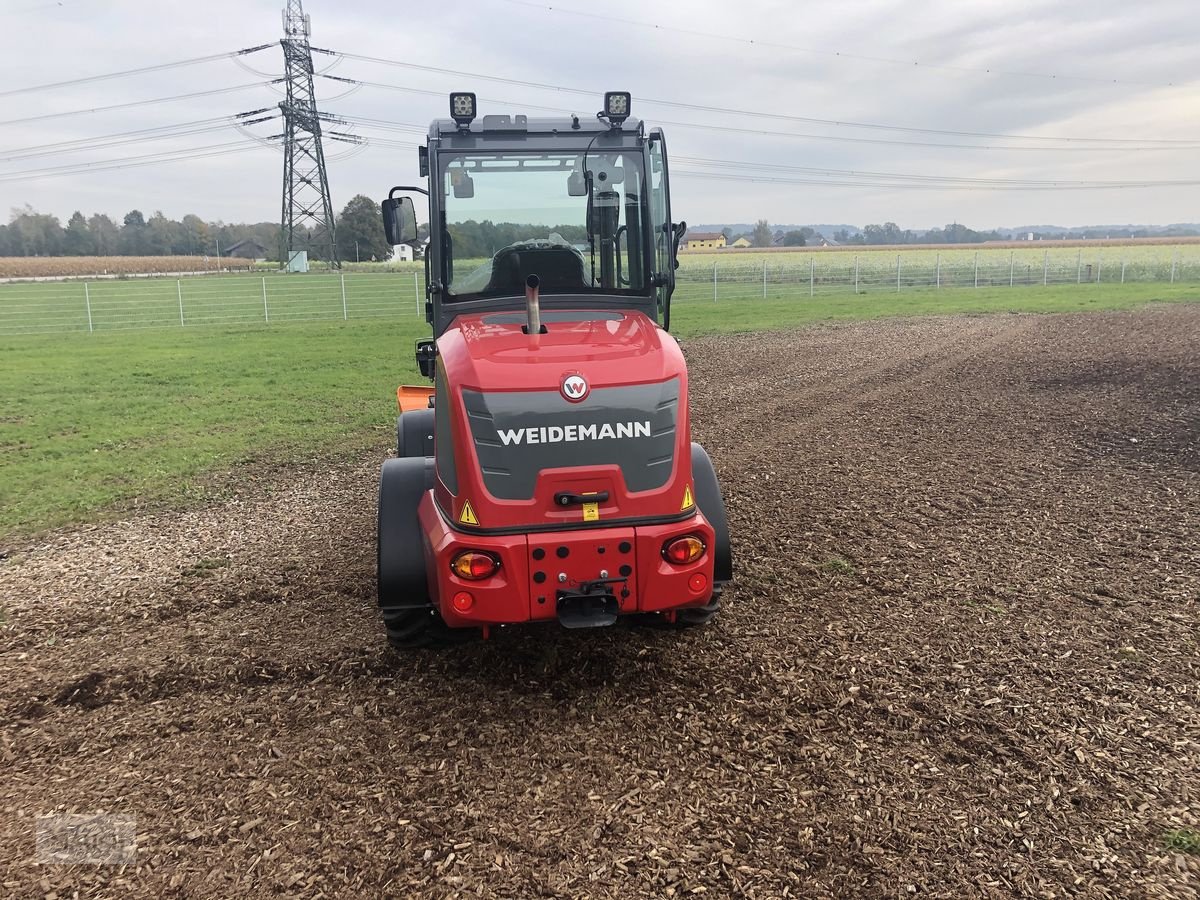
(462, 108)
(616, 106)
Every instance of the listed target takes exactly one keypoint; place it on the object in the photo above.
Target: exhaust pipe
(533, 308)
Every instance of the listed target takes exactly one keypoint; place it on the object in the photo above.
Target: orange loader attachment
(410, 397)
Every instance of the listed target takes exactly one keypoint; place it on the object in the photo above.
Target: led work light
(462, 108)
(616, 106)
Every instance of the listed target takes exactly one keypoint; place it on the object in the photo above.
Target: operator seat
(559, 268)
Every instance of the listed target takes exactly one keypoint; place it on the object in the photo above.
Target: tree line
(31, 233)
(474, 239)
(891, 233)
(763, 235)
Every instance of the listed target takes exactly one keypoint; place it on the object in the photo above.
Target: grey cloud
(1134, 42)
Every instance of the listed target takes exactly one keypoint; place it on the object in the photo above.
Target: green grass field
(95, 424)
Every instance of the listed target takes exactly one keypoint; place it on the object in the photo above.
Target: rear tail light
(463, 601)
(683, 550)
(474, 565)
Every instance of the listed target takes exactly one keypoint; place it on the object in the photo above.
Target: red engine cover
(538, 423)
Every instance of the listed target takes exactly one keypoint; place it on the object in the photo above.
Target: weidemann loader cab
(549, 473)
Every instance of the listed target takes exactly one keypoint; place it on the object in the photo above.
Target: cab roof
(519, 124)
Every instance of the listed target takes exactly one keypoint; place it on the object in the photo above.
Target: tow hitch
(593, 605)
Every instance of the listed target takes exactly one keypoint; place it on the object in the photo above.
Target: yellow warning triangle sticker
(467, 516)
(688, 502)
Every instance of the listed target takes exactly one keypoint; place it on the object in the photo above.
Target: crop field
(83, 266)
(959, 658)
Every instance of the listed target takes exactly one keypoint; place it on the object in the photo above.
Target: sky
(1095, 90)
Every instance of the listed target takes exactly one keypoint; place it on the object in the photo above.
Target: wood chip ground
(961, 658)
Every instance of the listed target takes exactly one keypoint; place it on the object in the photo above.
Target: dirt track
(961, 658)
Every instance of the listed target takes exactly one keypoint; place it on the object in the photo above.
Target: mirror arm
(419, 190)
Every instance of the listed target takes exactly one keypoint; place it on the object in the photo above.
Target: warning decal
(467, 516)
(688, 502)
(591, 512)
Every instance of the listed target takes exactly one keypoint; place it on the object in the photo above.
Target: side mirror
(399, 220)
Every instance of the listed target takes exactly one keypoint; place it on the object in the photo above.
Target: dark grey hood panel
(517, 434)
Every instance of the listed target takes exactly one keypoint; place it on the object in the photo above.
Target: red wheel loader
(548, 474)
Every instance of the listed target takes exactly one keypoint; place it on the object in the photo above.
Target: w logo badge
(574, 388)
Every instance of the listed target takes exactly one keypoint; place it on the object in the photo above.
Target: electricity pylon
(305, 180)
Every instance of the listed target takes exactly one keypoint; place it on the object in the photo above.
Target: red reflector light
(683, 550)
(698, 582)
(474, 565)
(463, 601)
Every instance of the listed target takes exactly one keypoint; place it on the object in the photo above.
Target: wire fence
(92, 306)
(30, 308)
(876, 273)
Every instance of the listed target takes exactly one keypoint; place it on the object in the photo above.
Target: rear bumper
(535, 568)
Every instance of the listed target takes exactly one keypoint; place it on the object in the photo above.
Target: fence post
(1122, 270)
(1099, 263)
(764, 279)
(1010, 268)
(417, 291)
(87, 299)
(179, 293)
(1174, 258)
(897, 273)
(856, 274)
(714, 282)
(266, 312)
(1045, 267)
(1079, 266)
(345, 314)
(812, 271)
(976, 268)
(939, 271)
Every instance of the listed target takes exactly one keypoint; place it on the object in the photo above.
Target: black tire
(408, 614)
(414, 433)
(416, 629)
(699, 615)
(708, 498)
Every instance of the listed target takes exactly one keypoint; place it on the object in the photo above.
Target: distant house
(703, 240)
(402, 253)
(247, 249)
(743, 241)
(821, 241)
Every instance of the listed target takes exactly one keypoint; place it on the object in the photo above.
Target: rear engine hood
(491, 352)
(596, 405)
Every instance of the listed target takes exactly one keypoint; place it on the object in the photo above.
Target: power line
(134, 162)
(699, 107)
(137, 103)
(163, 132)
(839, 54)
(960, 180)
(156, 68)
(902, 185)
(848, 139)
(941, 145)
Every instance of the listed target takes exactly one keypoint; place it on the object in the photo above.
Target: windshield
(577, 224)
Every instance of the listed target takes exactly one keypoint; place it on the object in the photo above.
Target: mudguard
(400, 553)
(708, 498)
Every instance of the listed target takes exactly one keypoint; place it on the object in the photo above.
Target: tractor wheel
(708, 498)
(416, 629)
(699, 615)
(414, 433)
(408, 614)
